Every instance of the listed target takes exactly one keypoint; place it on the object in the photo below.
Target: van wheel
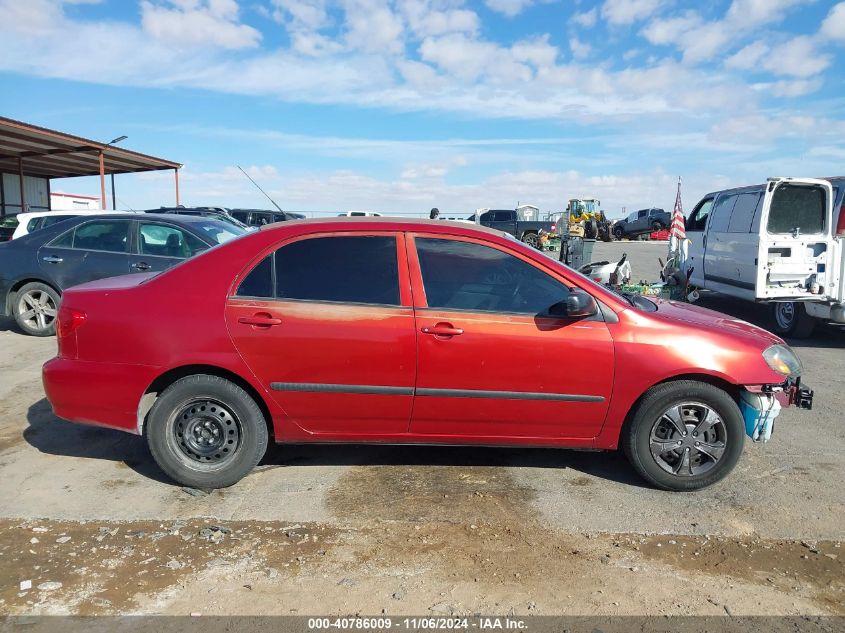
(206, 432)
(791, 319)
(684, 435)
(36, 306)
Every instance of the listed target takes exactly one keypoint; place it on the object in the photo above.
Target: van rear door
(797, 254)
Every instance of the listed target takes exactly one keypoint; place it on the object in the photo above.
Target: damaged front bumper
(791, 393)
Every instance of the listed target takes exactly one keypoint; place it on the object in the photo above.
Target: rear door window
(342, 269)
(164, 240)
(111, 236)
(743, 213)
(50, 220)
(801, 207)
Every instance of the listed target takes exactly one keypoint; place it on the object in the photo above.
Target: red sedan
(386, 330)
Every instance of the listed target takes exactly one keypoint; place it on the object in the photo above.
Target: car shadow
(7, 324)
(53, 436)
(825, 335)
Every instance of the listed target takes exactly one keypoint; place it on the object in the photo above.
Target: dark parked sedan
(37, 268)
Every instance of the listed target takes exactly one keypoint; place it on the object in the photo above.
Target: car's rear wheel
(685, 435)
(206, 432)
(791, 319)
(35, 308)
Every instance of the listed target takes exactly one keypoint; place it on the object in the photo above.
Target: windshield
(220, 231)
(230, 220)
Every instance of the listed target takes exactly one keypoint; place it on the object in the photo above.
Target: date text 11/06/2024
(415, 624)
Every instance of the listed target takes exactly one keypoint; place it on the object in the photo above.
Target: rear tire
(700, 447)
(35, 309)
(531, 239)
(206, 432)
(790, 318)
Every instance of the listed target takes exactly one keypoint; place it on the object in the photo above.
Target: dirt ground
(88, 525)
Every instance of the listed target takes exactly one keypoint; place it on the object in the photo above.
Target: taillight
(840, 225)
(69, 321)
(554, 226)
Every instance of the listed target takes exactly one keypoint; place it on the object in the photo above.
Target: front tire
(684, 435)
(790, 318)
(618, 232)
(35, 308)
(206, 432)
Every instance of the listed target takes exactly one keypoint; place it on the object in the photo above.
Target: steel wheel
(206, 432)
(688, 439)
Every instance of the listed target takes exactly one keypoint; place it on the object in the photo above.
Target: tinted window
(260, 219)
(467, 276)
(218, 231)
(796, 206)
(487, 217)
(168, 241)
(722, 213)
(107, 235)
(259, 282)
(63, 241)
(360, 269)
(50, 220)
(755, 221)
(698, 218)
(743, 213)
(641, 214)
(279, 217)
(504, 216)
(240, 216)
(32, 224)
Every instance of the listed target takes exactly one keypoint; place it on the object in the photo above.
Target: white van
(780, 242)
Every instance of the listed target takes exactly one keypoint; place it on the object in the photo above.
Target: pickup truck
(642, 221)
(509, 221)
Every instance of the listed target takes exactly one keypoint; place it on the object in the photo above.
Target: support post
(102, 181)
(20, 180)
(113, 194)
(176, 175)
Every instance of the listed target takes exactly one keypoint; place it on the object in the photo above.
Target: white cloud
(586, 19)
(671, 30)
(372, 26)
(797, 57)
(580, 50)
(628, 11)
(427, 17)
(198, 22)
(756, 12)
(791, 87)
(510, 8)
(749, 57)
(833, 26)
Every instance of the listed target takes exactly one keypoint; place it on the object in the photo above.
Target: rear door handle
(52, 259)
(141, 266)
(442, 329)
(262, 320)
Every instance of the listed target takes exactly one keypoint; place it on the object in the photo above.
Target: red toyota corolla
(386, 330)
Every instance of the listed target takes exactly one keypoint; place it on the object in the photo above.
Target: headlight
(783, 360)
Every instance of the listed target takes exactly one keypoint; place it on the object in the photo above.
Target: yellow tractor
(587, 220)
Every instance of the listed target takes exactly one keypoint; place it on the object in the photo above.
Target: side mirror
(577, 305)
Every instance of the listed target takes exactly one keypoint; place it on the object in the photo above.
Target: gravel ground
(345, 529)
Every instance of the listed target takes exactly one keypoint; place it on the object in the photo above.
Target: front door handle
(442, 329)
(52, 259)
(260, 320)
(141, 266)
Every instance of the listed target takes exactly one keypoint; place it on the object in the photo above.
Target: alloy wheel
(689, 439)
(37, 309)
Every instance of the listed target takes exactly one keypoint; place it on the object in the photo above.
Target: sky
(399, 106)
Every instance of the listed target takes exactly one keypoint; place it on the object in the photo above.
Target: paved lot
(369, 499)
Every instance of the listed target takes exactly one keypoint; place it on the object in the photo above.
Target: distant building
(60, 201)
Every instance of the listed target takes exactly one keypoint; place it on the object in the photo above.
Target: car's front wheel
(206, 432)
(36, 306)
(618, 232)
(684, 435)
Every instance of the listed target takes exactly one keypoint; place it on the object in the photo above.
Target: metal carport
(30, 150)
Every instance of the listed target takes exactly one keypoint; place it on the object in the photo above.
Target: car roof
(383, 222)
(28, 215)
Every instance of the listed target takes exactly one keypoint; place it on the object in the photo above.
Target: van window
(797, 207)
(758, 211)
(746, 204)
(698, 218)
(722, 213)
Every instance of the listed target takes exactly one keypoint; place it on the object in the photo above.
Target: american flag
(677, 229)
